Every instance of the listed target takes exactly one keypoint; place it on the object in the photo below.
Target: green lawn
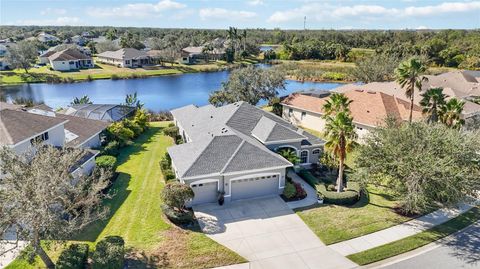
(332, 223)
(137, 217)
(418, 240)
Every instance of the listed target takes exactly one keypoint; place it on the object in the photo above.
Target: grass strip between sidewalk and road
(418, 240)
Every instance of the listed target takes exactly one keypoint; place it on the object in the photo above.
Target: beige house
(127, 57)
(369, 109)
(464, 85)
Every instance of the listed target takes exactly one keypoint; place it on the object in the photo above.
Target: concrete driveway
(268, 234)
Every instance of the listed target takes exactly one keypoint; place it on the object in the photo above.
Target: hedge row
(349, 197)
(308, 177)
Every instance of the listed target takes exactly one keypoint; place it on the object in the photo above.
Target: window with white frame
(290, 112)
(40, 138)
(316, 151)
(304, 156)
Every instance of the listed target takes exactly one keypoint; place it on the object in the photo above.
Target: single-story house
(127, 57)
(191, 55)
(463, 85)
(44, 37)
(44, 56)
(70, 59)
(102, 112)
(3, 51)
(232, 150)
(369, 109)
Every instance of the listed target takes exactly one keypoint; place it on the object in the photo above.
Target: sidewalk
(12, 252)
(400, 231)
(311, 198)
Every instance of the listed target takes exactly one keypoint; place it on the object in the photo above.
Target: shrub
(171, 124)
(74, 257)
(289, 191)
(171, 131)
(109, 253)
(169, 174)
(111, 148)
(106, 162)
(176, 194)
(308, 177)
(115, 77)
(166, 162)
(331, 187)
(89, 78)
(299, 191)
(178, 217)
(348, 197)
(133, 126)
(117, 131)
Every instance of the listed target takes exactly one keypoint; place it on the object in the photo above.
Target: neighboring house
(3, 51)
(459, 84)
(103, 112)
(369, 109)
(70, 59)
(231, 149)
(76, 39)
(44, 38)
(20, 129)
(127, 57)
(191, 55)
(44, 56)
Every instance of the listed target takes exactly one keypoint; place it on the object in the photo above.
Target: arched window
(304, 156)
(316, 151)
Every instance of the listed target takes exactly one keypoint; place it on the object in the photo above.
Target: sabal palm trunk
(341, 167)
(410, 117)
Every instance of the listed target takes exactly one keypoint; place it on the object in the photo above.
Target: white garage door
(254, 187)
(205, 192)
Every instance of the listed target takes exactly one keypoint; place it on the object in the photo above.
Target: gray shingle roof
(83, 128)
(268, 130)
(222, 140)
(16, 126)
(124, 54)
(67, 55)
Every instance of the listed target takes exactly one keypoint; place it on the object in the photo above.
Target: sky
(284, 14)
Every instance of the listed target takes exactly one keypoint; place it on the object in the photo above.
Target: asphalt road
(461, 250)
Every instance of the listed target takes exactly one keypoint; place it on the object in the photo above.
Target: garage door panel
(205, 192)
(254, 187)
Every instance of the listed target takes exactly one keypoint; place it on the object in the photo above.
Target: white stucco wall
(93, 142)
(63, 65)
(84, 169)
(56, 137)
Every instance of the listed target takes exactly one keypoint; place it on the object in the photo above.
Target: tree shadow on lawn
(119, 188)
(119, 194)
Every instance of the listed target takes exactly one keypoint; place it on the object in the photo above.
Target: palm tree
(340, 133)
(450, 113)
(80, 101)
(409, 74)
(206, 50)
(289, 154)
(337, 102)
(433, 100)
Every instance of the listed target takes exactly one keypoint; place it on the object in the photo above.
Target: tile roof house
(368, 109)
(191, 55)
(126, 57)
(459, 84)
(231, 149)
(70, 59)
(21, 127)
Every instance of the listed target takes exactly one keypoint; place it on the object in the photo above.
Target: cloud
(256, 3)
(330, 12)
(137, 10)
(60, 21)
(53, 11)
(422, 27)
(225, 14)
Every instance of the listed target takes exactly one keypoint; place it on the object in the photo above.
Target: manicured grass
(418, 240)
(136, 214)
(374, 212)
(105, 71)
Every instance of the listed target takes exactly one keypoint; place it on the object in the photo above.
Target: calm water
(158, 93)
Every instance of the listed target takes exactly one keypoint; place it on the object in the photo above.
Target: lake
(157, 93)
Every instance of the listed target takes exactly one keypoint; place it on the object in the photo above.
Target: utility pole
(304, 22)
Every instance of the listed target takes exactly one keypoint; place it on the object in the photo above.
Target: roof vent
(358, 90)
(211, 117)
(372, 92)
(368, 111)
